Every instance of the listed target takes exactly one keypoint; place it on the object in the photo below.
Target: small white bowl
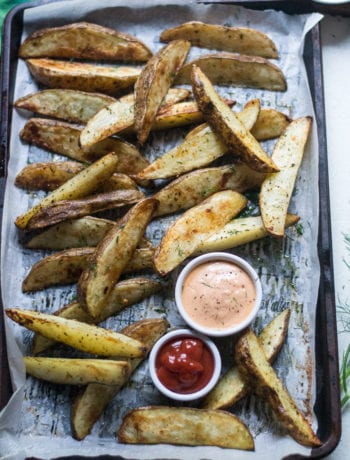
(170, 336)
(213, 257)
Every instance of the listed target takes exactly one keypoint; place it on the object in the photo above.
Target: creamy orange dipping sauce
(218, 294)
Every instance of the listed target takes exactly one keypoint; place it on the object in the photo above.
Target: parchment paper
(36, 420)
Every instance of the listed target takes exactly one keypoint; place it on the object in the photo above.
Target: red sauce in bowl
(185, 364)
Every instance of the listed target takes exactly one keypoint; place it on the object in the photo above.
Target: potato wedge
(93, 78)
(82, 336)
(80, 185)
(200, 147)
(231, 387)
(65, 104)
(119, 116)
(241, 40)
(185, 426)
(84, 40)
(63, 138)
(194, 225)
(90, 404)
(239, 231)
(257, 371)
(73, 209)
(154, 82)
(192, 188)
(277, 188)
(47, 176)
(236, 69)
(112, 255)
(75, 371)
(227, 126)
(124, 294)
(65, 267)
(270, 124)
(84, 232)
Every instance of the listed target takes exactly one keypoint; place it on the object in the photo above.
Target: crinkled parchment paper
(36, 420)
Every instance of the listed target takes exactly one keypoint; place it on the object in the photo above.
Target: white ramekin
(188, 396)
(212, 257)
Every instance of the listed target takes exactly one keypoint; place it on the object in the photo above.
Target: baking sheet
(47, 418)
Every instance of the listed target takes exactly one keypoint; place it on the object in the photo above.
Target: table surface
(335, 35)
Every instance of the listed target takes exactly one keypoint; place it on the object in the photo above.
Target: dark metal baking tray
(327, 406)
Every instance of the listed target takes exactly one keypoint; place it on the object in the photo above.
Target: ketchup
(185, 364)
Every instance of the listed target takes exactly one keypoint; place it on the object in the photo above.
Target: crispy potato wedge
(236, 69)
(231, 387)
(53, 73)
(50, 175)
(270, 124)
(63, 138)
(154, 82)
(227, 126)
(73, 209)
(90, 404)
(239, 231)
(80, 185)
(112, 255)
(84, 40)
(76, 233)
(257, 371)
(75, 371)
(194, 225)
(241, 40)
(200, 147)
(65, 267)
(276, 190)
(82, 336)
(192, 188)
(186, 426)
(124, 294)
(47, 176)
(119, 116)
(65, 104)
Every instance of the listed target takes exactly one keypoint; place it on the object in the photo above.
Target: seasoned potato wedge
(239, 231)
(112, 255)
(231, 387)
(63, 138)
(124, 294)
(241, 40)
(200, 147)
(196, 224)
(82, 336)
(154, 82)
(76, 233)
(92, 401)
(192, 188)
(47, 176)
(65, 104)
(119, 116)
(65, 267)
(186, 426)
(84, 40)
(277, 188)
(257, 371)
(227, 126)
(75, 371)
(80, 185)
(50, 175)
(72, 209)
(236, 69)
(82, 76)
(270, 124)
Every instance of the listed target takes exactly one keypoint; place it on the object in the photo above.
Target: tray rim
(326, 307)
